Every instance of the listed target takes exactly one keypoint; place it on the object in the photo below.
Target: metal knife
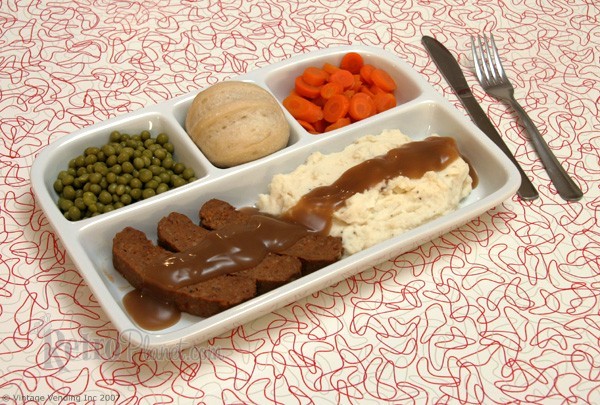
(453, 74)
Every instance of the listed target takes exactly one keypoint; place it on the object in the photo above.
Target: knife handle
(526, 191)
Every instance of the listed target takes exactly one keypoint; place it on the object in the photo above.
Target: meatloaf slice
(314, 250)
(178, 233)
(134, 253)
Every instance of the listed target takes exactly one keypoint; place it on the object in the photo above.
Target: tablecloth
(505, 309)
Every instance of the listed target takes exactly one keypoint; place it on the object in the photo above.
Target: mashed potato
(386, 210)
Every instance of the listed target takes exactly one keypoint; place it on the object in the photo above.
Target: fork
(492, 78)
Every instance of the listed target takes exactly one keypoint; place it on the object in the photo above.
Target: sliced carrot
(335, 108)
(342, 122)
(343, 77)
(352, 62)
(302, 109)
(308, 126)
(331, 88)
(314, 76)
(365, 73)
(357, 83)
(306, 90)
(384, 101)
(376, 90)
(320, 126)
(329, 68)
(349, 93)
(320, 101)
(383, 80)
(366, 90)
(361, 106)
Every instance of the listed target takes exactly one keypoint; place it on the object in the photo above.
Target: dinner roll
(235, 122)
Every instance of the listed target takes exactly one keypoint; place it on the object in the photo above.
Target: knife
(452, 72)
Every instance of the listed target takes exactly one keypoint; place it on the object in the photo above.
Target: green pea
(164, 177)
(111, 177)
(169, 147)
(145, 134)
(187, 173)
(155, 169)
(135, 183)
(120, 190)
(178, 168)
(100, 168)
(79, 161)
(105, 197)
(112, 188)
(89, 198)
(123, 157)
(115, 136)
(136, 193)
(69, 193)
(95, 188)
(152, 184)
(83, 178)
(58, 186)
(118, 205)
(126, 199)
(138, 163)
(95, 178)
(116, 169)
(127, 167)
(79, 203)
(168, 162)
(64, 204)
(108, 150)
(145, 175)
(160, 153)
(74, 213)
(68, 180)
(111, 160)
(177, 181)
(147, 193)
(162, 138)
(162, 187)
(91, 159)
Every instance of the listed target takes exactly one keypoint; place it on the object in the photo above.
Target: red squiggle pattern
(505, 309)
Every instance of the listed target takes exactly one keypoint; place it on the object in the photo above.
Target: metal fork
(492, 78)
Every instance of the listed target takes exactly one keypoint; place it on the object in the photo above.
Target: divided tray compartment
(421, 112)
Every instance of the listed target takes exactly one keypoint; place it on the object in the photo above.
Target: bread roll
(235, 122)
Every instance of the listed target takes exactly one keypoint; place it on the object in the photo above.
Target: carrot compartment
(329, 97)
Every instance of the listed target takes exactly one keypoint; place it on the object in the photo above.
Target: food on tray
(236, 122)
(206, 269)
(124, 170)
(376, 188)
(330, 97)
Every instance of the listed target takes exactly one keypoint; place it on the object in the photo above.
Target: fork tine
(476, 60)
(496, 56)
(484, 60)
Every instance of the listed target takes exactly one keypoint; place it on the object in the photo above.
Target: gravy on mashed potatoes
(376, 188)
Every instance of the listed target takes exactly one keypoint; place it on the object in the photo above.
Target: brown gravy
(232, 248)
(412, 160)
(150, 313)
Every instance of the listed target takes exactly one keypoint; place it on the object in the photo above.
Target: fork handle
(564, 184)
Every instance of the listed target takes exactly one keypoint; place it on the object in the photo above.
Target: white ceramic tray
(421, 111)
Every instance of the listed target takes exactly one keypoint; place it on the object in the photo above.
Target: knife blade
(453, 74)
